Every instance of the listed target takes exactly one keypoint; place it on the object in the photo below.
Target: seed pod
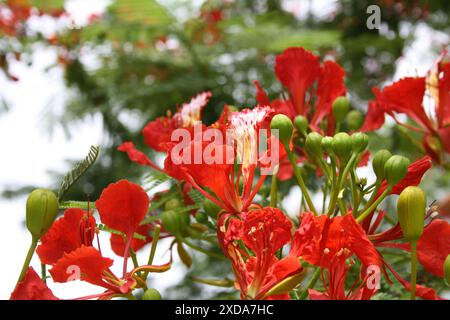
(378, 162)
(395, 169)
(354, 120)
(327, 144)
(341, 105)
(284, 126)
(175, 222)
(313, 143)
(411, 207)
(151, 294)
(342, 145)
(301, 124)
(447, 270)
(41, 211)
(359, 142)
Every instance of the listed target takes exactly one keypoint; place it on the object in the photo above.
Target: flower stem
(273, 191)
(27, 261)
(374, 205)
(204, 251)
(44, 272)
(300, 181)
(413, 269)
(311, 284)
(153, 249)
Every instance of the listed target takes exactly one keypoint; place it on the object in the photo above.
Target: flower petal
(32, 288)
(122, 206)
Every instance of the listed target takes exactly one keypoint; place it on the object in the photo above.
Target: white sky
(28, 151)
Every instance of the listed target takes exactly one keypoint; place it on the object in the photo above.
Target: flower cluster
(220, 198)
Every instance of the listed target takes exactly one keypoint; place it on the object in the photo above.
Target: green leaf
(80, 168)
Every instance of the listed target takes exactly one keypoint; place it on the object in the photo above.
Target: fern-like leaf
(78, 170)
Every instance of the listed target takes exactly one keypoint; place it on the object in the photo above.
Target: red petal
(406, 96)
(32, 288)
(374, 118)
(329, 87)
(443, 108)
(85, 263)
(122, 206)
(261, 96)
(118, 245)
(434, 246)
(319, 239)
(297, 69)
(136, 155)
(316, 295)
(64, 236)
(158, 132)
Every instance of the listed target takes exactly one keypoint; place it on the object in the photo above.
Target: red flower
(263, 232)
(157, 133)
(319, 239)
(406, 96)
(32, 288)
(218, 162)
(76, 228)
(302, 74)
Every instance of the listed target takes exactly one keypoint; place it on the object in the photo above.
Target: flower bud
(341, 105)
(354, 120)
(327, 144)
(447, 270)
(42, 209)
(342, 145)
(313, 143)
(378, 162)
(211, 208)
(284, 126)
(395, 169)
(359, 142)
(151, 294)
(301, 124)
(411, 207)
(175, 222)
(172, 204)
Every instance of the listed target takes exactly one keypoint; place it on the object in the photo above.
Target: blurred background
(79, 72)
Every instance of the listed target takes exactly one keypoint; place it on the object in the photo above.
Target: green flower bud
(341, 105)
(411, 207)
(378, 162)
(313, 143)
(342, 145)
(447, 270)
(201, 217)
(151, 294)
(359, 142)
(172, 204)
(175, 222)
(284, 126)
(354, 120)
(395, 169)
(327, 144)
(42, 209)
(211, 208)
(301, 124)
